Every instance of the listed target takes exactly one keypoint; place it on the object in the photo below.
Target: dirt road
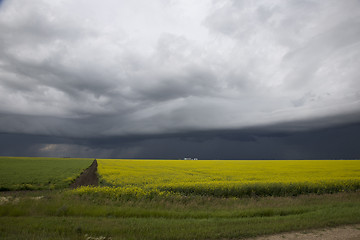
(88, 177)
(350, 232)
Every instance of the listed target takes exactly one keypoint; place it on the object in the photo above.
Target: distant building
(187, 158)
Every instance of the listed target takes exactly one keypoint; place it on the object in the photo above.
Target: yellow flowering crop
(229, 178)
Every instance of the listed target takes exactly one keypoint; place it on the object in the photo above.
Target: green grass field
(62, 215)
(139, 199)
(19, 173)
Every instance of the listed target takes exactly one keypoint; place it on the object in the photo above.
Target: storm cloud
(148, 74)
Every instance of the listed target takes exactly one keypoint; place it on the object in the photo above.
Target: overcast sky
(166, 78)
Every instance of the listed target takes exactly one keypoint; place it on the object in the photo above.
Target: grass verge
(64, 215)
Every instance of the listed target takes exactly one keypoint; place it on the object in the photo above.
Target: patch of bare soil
(88, 178)
(350, 232)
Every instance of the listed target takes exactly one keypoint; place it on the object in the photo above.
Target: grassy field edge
(61, 215)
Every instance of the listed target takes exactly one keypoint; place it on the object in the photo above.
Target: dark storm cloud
(271, 142)
(201, 74)
(328, 143)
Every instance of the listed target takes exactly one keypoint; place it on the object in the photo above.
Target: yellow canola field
(121, 172)
(225, 178)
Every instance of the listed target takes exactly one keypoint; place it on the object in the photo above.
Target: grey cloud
(67, 72)
(39, 23)
(191, 81)
(308, 60)
(173, 73)
(306, 97)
